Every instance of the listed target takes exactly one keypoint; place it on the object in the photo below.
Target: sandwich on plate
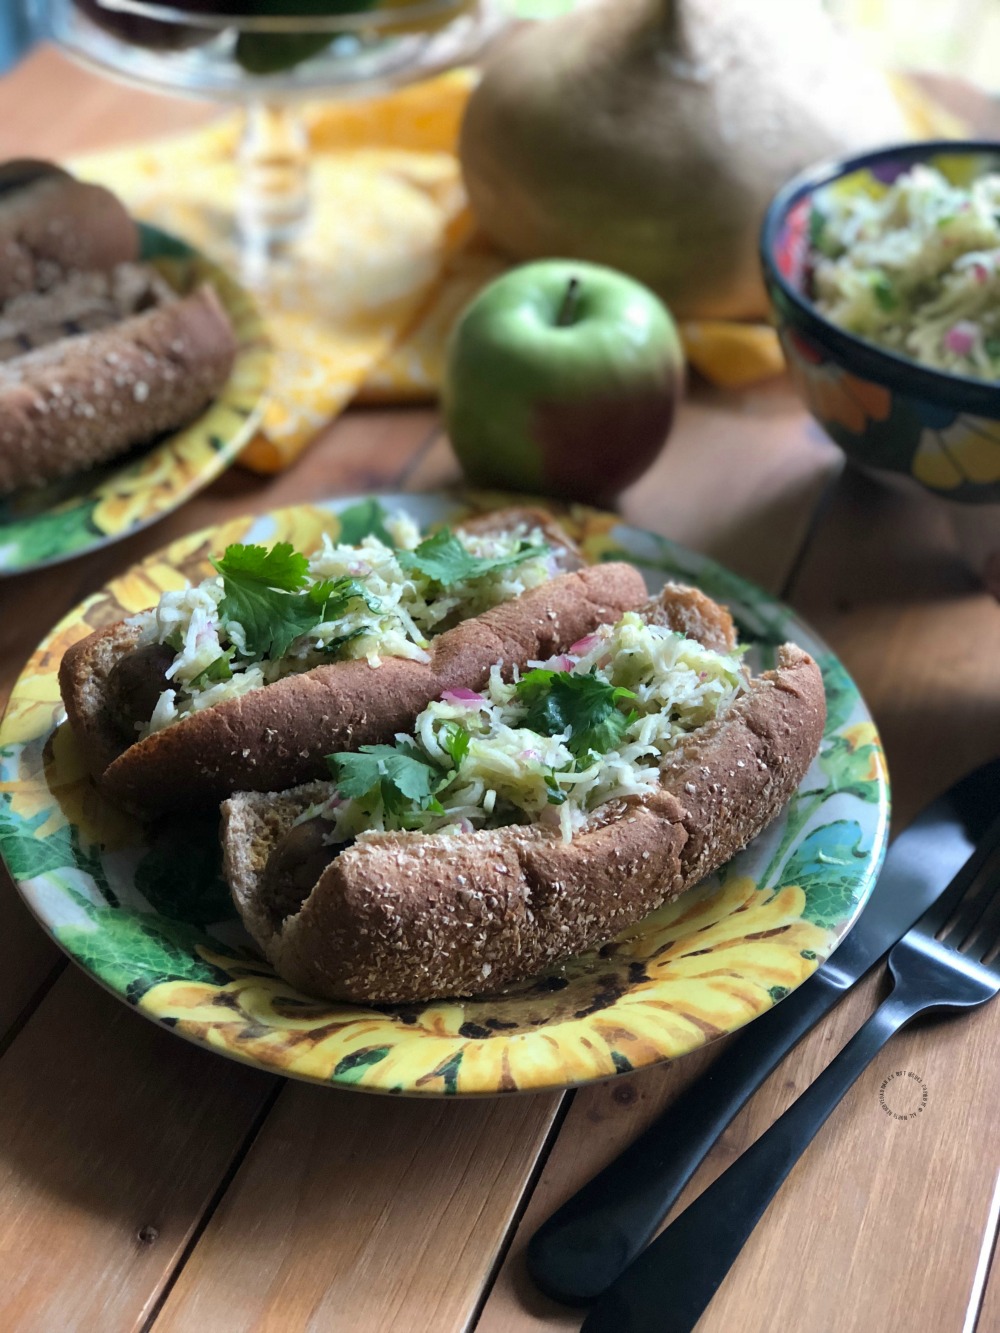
(528, 813)
(248, 680)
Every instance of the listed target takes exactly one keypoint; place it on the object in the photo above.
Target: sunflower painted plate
(145, 912)
(47, 524)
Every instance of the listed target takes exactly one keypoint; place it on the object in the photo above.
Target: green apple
(562, 378)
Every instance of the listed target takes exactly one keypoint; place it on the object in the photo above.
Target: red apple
(562, 378)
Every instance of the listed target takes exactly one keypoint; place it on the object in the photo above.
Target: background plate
(145, 913)
(43, 525)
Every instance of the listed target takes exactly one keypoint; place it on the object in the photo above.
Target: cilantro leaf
(364, 519)
(819, 238)
(271, 620)
(261, 594)
(582, 704)
(403, 776)
(445, 560)
(280, 567)
(333, 596)
(455, 740)
(333, 646)
(883, 291)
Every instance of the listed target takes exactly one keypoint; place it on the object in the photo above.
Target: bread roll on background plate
(97, 353)
(52, 225)
(83, 400)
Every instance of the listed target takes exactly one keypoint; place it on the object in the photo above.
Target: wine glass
(267, 62)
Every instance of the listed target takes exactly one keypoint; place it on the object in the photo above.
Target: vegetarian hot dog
(518, 825)
(250, 679)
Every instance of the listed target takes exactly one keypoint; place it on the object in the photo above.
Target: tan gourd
(650, 135)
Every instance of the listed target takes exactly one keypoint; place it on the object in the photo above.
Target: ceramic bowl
(885, 411)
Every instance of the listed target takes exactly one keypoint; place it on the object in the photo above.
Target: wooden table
(147, 1184)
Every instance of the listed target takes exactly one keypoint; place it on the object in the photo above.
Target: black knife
(594, 1236)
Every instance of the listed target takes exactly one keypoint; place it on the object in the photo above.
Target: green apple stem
(569, 303)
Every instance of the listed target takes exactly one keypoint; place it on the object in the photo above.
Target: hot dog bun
(52, 225)
(85, 399)
(400, 917)
(279, 735)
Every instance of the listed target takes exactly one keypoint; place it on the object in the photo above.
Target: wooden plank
(739, 480)
(435, 468)
(901, 1206)
(50, 106)
(602, 1120)
(885, 584)
(985, 1303)
(361, 1213)
(115, 1136)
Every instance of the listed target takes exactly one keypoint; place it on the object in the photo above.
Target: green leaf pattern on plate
(39, 538)
(181, 876)
(840, 692)
(829, 865)
(28, 856)
(132, 953)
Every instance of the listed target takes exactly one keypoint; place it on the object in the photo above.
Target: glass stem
(273, 200)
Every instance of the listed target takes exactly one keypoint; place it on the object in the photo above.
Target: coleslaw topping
(546, 747)
(269, 613)
(914, 267)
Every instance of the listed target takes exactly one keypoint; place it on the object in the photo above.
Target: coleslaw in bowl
(824, 237)
(913, 265)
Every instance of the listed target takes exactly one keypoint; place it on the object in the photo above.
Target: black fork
(947, 961)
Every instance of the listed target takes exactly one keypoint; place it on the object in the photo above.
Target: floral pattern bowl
(885, 411)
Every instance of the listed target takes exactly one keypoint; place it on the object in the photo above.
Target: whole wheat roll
(80, 303)
(85, 399)
(87, 666)
(52, 225)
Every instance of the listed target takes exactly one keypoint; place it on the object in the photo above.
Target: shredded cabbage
(403, 611)
(509, 773)
(914, 267)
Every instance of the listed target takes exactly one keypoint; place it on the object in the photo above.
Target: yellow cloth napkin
(394, 254)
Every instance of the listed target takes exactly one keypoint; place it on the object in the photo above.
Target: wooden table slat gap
(225, 1180)
(527, 1193)
(418, 456)
(801, 559)
(315, 1229)
(988, 1266)
(21, 1019)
